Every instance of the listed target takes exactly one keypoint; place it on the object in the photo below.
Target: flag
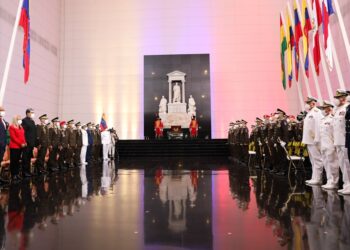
(298, 36)
(283, 50)
(291, 44)
(317, 21)
(327, 11)
(307, 27)
(24, 22)
(103, 123)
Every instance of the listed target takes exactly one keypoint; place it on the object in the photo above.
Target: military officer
(271, 142)
(79, 144)
(311, 138)
(42, 143)
(339, 138)
(258, 142)
(63, 146)
(98, 150)
(72, 143)
(244, 141)
(54, 138)
(328, 150)
(89, 150)
(281, 134)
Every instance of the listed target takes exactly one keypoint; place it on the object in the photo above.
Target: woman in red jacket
(17, 144)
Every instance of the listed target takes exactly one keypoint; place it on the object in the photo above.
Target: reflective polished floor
(171, 204)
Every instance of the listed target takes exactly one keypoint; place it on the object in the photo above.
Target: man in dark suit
(30, 134)
(3, 136)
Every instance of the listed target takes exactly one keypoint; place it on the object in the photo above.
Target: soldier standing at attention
(30, 134)
(79, 143)
(281, 133)
(328, 151)
(98, 151)
(245, 141)
(311, 138)
(257, 142)
(42, 134)
(89, 150)
(72, 143)
(63, 146)
(339, 138)
(54, 138)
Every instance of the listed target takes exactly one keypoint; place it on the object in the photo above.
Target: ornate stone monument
(177, 113)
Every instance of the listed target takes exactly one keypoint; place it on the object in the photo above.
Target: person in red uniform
(158, 128)
(193, 128)
(17, 144)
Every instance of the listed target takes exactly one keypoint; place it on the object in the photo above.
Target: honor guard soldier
(282, 139)
(85, 144)
(271, 143)
(244, 141)
(63, 146)
(72, 143)
(258, 142)
(79, 144)
(98, 151)
(158, 128)
(311, 138)
(54, 138)
(89, 150)
(339, 138)
(193, 127)
(264, 141)
(42, 143)
(328, 151)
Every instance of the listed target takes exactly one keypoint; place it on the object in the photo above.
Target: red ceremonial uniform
(158, 128)
(194, 128)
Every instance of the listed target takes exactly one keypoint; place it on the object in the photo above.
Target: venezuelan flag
(307, 28)
(291, 44)
(283, 50)
(298, 36)
(24, 22)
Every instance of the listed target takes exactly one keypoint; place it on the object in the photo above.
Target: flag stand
(10, 53)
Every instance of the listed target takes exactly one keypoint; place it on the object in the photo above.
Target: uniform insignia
(342, 113)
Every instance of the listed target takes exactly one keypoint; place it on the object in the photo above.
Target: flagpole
(342, 28)
(307, 84)
(300, 92)
(10, 53)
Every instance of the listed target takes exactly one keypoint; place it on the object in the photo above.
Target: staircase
(172, 148)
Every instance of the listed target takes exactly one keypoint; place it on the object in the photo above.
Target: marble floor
(171, 204)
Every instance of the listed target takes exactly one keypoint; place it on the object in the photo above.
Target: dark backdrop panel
(197, 69)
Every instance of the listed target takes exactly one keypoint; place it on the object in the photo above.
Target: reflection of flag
(298, 35)
(283, 50)
(24, 22)
(307, 27)
(290, 43)
(103, 123)
(317, 22)
(327, 11)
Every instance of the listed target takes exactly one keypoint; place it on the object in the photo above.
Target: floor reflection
(183, 204)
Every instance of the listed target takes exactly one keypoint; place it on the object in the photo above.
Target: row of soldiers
(271, 139)
(320, 136)
(68, 144)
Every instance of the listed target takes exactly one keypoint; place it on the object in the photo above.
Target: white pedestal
(177, 108)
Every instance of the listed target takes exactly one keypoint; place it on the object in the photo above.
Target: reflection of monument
(177, 188)
(177, 114)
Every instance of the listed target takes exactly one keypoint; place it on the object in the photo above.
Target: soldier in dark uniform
(236, 136)
(258, 142)
(282, 139)
(98, 144)
(271, 143)
(42, 134)
(3, 138)
(72, 143)
(30, 134)
(63, 146)
(54, 138)
(79, 144)
(244, 141)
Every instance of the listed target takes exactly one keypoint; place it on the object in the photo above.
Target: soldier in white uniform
(328, 151)
(339, 138)
(85, 143)
(311, 138)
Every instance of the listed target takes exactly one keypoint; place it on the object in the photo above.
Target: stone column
(170, 91)
(183, 92)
